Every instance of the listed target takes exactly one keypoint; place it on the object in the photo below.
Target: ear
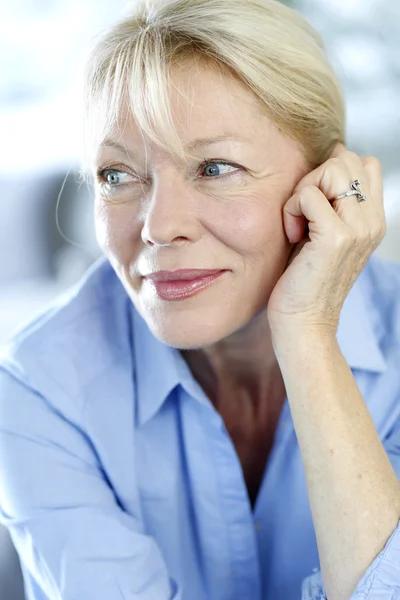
(338, 149)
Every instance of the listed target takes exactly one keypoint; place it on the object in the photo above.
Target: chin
(187, 335)
(188, 332)
(198, 322)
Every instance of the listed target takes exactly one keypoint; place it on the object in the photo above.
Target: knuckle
(353, 155)
(335, 161)
(379, 227)
(334, 170)
(373, 163)
(343, 239)
(303, 183)
(306, 190)
(380, 231)
(374, 238)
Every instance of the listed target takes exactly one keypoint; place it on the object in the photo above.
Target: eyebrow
(227, 137)
(120, 147)
(199, 142)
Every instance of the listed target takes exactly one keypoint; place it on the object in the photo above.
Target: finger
(330, 177)
(368, 170)
(356, 170)
(373, 170)
(369, 173)
(338, 149)
(309, 203)
(333, 178)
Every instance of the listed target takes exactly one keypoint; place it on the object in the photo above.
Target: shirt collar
(161, 368)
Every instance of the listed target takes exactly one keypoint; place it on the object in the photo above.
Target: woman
(213, 412)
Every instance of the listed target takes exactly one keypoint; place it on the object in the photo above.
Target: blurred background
(47, 236)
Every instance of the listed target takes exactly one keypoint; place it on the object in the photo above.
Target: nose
(169, 216)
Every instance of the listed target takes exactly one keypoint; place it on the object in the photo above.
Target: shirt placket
(219, 485)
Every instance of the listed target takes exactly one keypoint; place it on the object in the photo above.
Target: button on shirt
(119, 480)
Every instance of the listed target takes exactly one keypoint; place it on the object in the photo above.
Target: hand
(341, 236)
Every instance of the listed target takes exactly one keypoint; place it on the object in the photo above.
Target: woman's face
(157, 213)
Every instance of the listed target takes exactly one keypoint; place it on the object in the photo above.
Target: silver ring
(355, 191)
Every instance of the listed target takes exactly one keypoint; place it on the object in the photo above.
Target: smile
(180, 289)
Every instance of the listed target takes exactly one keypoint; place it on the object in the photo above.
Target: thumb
(296, 250)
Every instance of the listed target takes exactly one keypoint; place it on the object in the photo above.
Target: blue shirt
(119, 481)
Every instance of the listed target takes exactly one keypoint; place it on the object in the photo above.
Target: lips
(181, 274)
(183, 283)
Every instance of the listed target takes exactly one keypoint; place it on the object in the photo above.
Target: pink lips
(176, 285)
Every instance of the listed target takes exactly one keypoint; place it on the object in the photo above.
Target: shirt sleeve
(71, 535)
(381, 581)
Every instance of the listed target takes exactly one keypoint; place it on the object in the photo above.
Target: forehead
(205, 93)
(205, 103)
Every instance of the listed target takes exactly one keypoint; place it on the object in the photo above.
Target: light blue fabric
(118, 480)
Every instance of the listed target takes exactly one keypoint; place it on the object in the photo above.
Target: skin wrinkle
(175, 219)
(179, 220)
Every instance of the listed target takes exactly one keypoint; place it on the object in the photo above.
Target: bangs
(263, 43)
(134, 82)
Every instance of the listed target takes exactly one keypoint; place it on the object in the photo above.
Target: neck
(241, 368)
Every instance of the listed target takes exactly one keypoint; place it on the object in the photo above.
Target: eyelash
(104, 184)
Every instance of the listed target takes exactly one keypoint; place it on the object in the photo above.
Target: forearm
(353, 490)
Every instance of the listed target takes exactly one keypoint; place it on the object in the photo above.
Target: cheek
(252, 226)
(117, 231)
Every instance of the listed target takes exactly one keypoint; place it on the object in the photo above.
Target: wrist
(297, 335)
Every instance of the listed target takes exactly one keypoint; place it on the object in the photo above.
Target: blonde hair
(267, 45)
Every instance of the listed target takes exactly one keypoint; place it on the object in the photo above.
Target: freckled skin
(178, 218)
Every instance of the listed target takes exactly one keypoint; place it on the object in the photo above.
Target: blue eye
(213, 169)
(111, 179)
